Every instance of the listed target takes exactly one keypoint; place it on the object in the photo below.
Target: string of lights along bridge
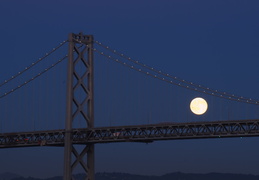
(83, 92)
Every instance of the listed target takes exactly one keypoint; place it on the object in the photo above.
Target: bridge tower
(80, 54)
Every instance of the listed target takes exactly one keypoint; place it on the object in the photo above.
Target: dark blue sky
(214, 43)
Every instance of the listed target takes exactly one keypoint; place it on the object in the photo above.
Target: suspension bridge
(79, 117)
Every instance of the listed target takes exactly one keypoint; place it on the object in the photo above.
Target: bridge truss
(139, 133)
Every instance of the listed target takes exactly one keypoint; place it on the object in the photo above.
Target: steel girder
(139, 133)
(155, 132)
(27, 139)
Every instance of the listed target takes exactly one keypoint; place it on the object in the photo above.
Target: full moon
(198, 106)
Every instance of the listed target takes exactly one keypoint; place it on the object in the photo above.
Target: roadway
(138, 133)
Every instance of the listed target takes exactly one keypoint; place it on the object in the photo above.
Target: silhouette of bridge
(80, 80)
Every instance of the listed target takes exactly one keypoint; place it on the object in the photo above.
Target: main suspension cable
(174, 83)
(244, 99)
(33, 78)
(33, 64)
(38, 75)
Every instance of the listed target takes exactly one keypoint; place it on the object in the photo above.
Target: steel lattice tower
(79, 81)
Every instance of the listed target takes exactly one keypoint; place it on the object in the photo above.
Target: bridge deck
(139, 133)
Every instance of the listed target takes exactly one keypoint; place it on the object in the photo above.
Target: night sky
(214, 43)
